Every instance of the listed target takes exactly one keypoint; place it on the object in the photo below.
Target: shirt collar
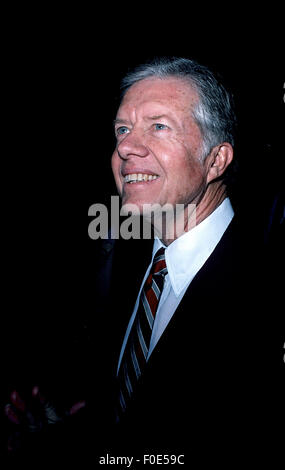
(186, 255)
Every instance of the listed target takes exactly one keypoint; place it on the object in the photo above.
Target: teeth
(132, 178)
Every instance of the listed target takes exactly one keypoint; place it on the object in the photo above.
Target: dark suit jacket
(212, 388)
(212, 383)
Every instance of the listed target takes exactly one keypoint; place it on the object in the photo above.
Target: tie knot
(159, 264)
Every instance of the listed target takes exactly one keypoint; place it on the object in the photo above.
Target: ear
(218, 160)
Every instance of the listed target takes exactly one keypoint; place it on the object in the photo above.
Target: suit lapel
(215, 284)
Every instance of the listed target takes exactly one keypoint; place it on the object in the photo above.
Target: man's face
(156, 159)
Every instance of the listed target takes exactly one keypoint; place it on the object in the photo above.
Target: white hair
(214, 113)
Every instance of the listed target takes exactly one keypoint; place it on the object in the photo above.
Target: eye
(160, 127)
(122, 130)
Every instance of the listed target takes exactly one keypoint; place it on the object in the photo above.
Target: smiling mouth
(139, 178)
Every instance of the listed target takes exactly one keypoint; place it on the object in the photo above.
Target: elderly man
(173, 142)
(188, 370)
(181, 358)
(181, 375)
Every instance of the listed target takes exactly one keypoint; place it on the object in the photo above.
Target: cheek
(185, 179)
(180, 164)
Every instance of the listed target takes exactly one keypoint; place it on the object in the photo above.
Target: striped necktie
(135, 355)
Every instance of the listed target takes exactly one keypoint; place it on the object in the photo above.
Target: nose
(132, 146)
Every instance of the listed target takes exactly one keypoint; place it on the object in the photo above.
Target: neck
(182, 221)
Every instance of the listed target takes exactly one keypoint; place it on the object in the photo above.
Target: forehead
(175, 94)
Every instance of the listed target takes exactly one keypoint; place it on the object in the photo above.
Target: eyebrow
(153, 118)
(120, 121)
(147, 118)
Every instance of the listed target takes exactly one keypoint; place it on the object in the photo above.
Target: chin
(129, 205)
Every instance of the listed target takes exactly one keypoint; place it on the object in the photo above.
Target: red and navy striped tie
(136, 350)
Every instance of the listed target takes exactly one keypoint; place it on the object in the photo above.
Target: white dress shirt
(184, 257)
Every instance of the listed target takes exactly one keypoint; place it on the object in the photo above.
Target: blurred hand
(33, 415)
